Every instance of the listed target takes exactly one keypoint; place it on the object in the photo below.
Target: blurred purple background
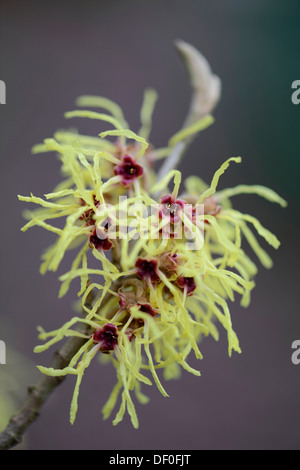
(50, 53)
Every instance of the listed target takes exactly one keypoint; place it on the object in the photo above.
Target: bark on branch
(38, 395)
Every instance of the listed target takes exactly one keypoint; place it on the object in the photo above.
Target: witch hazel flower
(171, 208)
(99, 240)
(147, 269)
(129, 170)
(187, 284)
(147, 302)
(106, 337)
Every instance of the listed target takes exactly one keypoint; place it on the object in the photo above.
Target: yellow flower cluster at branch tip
(152, 283)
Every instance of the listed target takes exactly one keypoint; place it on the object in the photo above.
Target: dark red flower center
(147, 269)
(128, 169)
(187, 283)
(100, 240)
(171, 208)
(106, 337)
(147, 308)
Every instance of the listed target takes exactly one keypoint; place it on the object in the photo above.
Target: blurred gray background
(52, 52)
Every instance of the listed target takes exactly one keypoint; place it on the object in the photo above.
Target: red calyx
(171, 208)
(106, 337)
(128, 169)
(147, 269)
(187, 283)
(101, 243)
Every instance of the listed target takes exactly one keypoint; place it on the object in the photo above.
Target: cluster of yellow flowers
(167, 260)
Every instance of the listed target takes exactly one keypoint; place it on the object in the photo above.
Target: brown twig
(37, 396)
